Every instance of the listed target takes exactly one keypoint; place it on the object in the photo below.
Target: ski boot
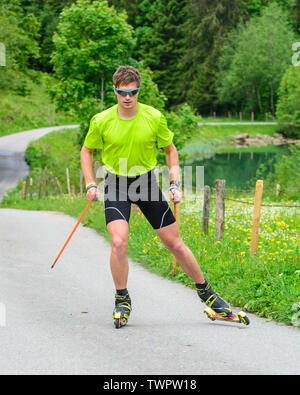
(217, 308)
(122, 310)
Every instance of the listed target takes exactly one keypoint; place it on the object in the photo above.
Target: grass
(267, 284)
(19, 113)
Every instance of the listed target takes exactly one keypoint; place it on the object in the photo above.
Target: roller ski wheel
(119, 321)
(239, 318)
(122, 310)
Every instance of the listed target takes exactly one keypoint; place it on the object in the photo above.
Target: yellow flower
(243, 253)
(155, 237)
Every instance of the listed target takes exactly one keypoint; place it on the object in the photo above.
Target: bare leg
(169, 235)
(118, 231)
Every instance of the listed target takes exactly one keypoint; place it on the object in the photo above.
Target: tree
(205, 31)
(296, 14)
(19, 34)
(92, 40)
(131, 8)
(288, 109)
(254, 60)
(160, 44)
(47, 13)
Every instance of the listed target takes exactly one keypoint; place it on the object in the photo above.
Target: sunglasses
(124, 93)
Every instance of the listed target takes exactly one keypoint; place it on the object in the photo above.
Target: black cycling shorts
(120, 192)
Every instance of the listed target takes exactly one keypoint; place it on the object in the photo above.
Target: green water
(236, 168)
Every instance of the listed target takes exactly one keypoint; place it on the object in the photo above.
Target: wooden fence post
(40, 185)
(205, 214)
(31, 194)
(46, 182)
(53, 187)
(256, 216)
(24, 190)
(68, 182)
(277, 190)
(59, 186)
(220, 209)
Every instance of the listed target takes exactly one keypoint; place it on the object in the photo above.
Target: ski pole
(71, 234)
(176, 215)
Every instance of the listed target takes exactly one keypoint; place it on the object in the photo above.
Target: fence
(52, 182)
(220, 211)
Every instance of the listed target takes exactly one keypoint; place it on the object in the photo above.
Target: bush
(286, 174)
(288, 108)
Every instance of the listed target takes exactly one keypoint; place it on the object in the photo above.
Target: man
(128, 135)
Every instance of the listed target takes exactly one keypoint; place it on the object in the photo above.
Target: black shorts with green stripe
(121, 192)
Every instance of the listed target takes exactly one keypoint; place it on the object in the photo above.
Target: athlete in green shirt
(128, 135)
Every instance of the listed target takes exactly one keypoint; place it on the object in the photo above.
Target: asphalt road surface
(59, 321)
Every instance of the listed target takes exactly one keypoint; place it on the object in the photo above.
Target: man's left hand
(175, 194)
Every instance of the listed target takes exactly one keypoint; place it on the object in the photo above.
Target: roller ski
(217, 308)
(122, 310)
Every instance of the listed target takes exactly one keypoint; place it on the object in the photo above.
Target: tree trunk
(102, 91)
(272, 100)
(259, 100)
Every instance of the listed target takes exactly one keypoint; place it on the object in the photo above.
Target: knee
(177, 247)
(119, 245)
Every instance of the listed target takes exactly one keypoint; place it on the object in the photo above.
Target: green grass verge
(267, 284)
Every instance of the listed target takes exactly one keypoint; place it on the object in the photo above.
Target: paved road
(12, 148)
(59, 321)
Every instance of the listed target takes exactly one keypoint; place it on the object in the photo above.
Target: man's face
(127, 102)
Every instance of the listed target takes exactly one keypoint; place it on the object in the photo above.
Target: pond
(236, 168)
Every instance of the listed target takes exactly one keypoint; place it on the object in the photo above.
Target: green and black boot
(122, 308)
(213, 300)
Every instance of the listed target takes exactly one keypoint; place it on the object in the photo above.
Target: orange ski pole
(73, 231)
(176, 215)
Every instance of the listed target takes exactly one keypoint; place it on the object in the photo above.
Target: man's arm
(87, 169)
(173, 165)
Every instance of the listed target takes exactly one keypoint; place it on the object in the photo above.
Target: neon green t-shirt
(129, 145)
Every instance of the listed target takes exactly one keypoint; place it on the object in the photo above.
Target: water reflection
(236, 168)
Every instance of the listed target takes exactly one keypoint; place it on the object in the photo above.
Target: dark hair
(125, 75)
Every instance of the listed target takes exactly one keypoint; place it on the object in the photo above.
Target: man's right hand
(91, 192)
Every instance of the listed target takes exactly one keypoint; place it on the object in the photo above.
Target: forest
(216, 56)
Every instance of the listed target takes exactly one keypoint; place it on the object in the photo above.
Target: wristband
(174, 188)
(174, 183)
(90, 183)
(90, 186)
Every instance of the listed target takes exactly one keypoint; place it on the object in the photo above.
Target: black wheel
(117, 322)
(243, 318)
